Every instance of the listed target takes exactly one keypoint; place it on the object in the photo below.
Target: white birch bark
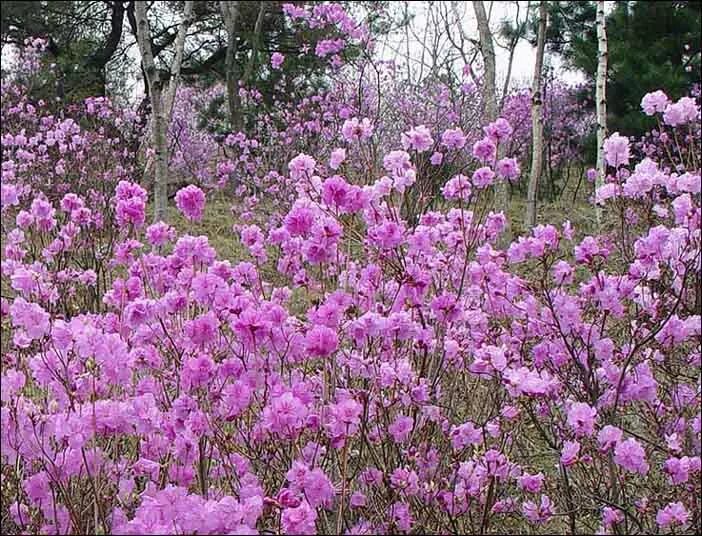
(158, 122)
(487, 49)
(601, 98)
(537, 122)
(230, 15)
(174, 82)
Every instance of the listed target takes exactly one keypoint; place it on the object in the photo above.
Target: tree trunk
(230, 15)
(158, 126)
(249, 73)
(601, 98)
(177, 62)
(487, 49)
(537, 122)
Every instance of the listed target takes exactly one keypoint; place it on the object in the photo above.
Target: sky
(524, 56)
(395, 47)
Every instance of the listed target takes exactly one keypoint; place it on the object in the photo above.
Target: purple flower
(191, 202)
(581, 418)
(401, 428)
(631, 456)
(508, 168)
(673, 514)
(453, 138)
(569, 453)
(337, 158)
(654, 102)
(277, 60)
(609, 436)
(302, 166)
(355, 130)
(484, 149)
(418, 139)
(483, 177)
(321, 341)
(299, 520)
(616, 149)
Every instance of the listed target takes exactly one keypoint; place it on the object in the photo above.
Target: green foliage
(651, 45)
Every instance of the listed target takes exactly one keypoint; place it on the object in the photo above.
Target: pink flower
(302, 166)
(319, 491)
(464, 435)
(355, 130)
(616, 149)
(202, 329)
(191, 202)
(499, 130)
(418, 139)
(540, 513)
(299, 220)
(609, 436)
(326, 47)
(387, 235)
(299, 520)
(405, 481)
(531, 483)
(401, 516)
(483, 177)
(131, 204)
(277, 60)
(631, 456)
(160, 233)
(654, 102)
(30, 316)
(683, 111)
(581, 418)
(484, 149)
(673, 514)
(400, 428)
(436, 158)
(453, 138)
(334, 191)
(337, 158)
(458, 187)
(397, 162)
(321, 341)
(508, 168)
(569, 453)
(678, 469)
(611, 516)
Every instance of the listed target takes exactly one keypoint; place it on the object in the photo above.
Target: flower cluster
(399, 372)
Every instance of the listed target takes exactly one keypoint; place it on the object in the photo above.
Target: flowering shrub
(434, 383)
(400, 373)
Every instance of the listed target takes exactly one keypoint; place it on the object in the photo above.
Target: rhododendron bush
(401, 373)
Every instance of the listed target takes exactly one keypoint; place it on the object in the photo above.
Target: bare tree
(255, 43)
(513, 35)
(161, 108)
(487, 49)
(230, 16)
(537, 121)
(178, 61)
(601, 96)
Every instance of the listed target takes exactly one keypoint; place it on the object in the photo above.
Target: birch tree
(601, 96)
(230, 16)
(161, 104)
(249, 73)
(537, 122)
(174, 82)
(487, 50)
